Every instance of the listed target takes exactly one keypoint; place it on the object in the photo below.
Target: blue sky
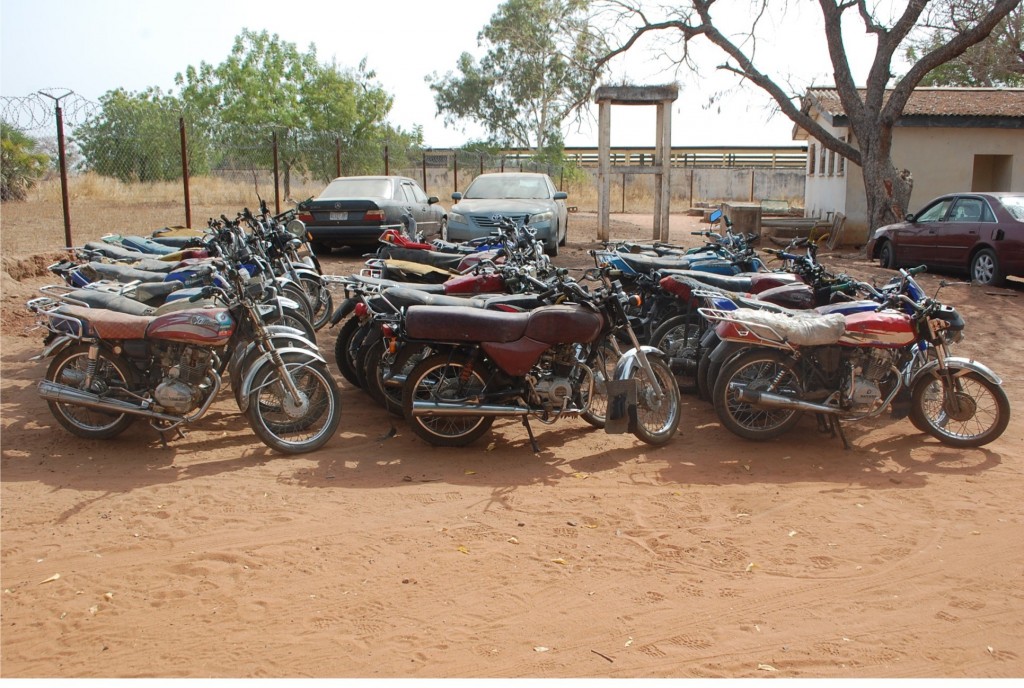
(92, 46)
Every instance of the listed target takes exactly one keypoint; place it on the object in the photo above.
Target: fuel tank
(206, 326)
(886, 330)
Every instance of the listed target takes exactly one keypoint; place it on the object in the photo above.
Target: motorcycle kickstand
(179, 434)
(529, 431)
(837, 429)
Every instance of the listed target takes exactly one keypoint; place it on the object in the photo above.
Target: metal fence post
(62, 156)
(277, 190)
(425, 173)
(455, 158)
(184, 172)
(387, 161)
(337, 156)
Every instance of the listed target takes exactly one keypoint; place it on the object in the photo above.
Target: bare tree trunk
(887, 188)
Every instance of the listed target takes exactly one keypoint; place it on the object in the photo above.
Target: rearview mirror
(456, 196)
(560, 196)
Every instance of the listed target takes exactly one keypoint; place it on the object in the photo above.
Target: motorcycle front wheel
(112, 376)
(656, 419)
(758, 370)
(451, 380)
(971, 414)
(320, 300)
(345, 346)
(679, 339)
(381, 382)
(287, 424)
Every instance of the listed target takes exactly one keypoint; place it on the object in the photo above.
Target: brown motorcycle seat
(565, 323)
(107, 324)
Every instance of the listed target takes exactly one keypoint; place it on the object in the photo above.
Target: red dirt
(381, 556)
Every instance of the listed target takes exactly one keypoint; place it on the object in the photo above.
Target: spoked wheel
(111, 378)
(320, 300)
(297, 293)
(345, 348)
(656, 419)
(294, 425)
(758, 370)
(383, 382)
(442, 378)
(973, 413)
(679, 339)
(602, 363)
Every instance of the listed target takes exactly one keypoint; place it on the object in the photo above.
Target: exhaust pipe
(439, 408)
(62, 394)
(769, 400)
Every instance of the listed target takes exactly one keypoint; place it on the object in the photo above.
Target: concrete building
(951, 139)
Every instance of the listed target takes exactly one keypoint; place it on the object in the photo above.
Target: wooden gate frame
(662, 97)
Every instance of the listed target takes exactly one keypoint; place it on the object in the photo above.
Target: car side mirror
(910, 217)
(432, 200)
(456, 196)
(560, 196)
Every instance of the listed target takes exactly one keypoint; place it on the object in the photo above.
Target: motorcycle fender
(303, 270)
(293, 337)
(622, 392)
(342, 311)
(957, 362)
(250, 374)
(53, 348)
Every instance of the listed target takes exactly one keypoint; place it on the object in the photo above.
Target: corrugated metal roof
(930, 102)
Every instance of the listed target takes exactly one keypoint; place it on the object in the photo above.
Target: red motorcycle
(851, 367)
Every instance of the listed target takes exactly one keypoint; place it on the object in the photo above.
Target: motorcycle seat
(464, 324)
(403, 297)
(382, 283)
(648, 264)
(447, 261)
(97, 298)
(120, 273)
(799, 328)
(734, 283)
(108, 324)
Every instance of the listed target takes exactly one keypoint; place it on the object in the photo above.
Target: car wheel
(985, 268)
(551, 248)
(320, 248)
(442, 231)
(565, 237)
(887, 256)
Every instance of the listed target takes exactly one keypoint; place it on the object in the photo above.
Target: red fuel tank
(887, 330)
(206, 326)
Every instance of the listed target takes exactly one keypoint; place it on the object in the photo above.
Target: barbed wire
(36, 110)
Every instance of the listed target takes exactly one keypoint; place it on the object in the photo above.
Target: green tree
(266, 86)
(536, 73)
(872, 110)
(994, 62)
(21, 165)
(135, 137)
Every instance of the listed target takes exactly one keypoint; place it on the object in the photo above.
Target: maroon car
(980, 233)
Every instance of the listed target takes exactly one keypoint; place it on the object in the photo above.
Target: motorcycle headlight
(297, 228)
(456, 217)
(541, 217)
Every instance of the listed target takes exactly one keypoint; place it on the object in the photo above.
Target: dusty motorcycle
(111, 368)
(851, 367)
(547, 363)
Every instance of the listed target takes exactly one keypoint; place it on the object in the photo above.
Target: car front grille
(490, 221)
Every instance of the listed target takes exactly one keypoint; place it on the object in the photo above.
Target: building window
(812, 152)
(821, 161)
(841, 161)
(831, 163)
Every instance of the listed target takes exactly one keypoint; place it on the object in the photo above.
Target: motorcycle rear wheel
(386, 391)
(758, 370)
(602, 363)
(657, 420)
(320, 300)
(112, 373)
(440, 378)
(982, 416)
(345, 347)
(311, 422)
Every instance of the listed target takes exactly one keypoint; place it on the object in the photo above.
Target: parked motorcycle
(110, 368)
(848, 368)
(547, 363)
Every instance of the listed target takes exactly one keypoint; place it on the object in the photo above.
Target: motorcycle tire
(250, 359)
(345, 347)
(983, 415)
(296, 293)
(384, 390)
(271, 412)
(657, 420)
(294, 318)
(113, 373)
(679, 339)
(439, 378)
(757, 369)
(320, 300)
(602, 363)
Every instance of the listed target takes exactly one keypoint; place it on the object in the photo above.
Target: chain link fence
(131, 165)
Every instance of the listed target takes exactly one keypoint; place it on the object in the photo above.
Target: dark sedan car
(980, 233)
(354, 211)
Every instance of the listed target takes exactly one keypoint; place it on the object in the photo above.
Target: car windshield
(1015, 206)
(507, 187)
(357, 188)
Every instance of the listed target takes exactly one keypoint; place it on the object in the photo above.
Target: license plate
(339, 216)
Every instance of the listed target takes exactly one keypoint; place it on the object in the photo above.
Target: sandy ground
(381, 556)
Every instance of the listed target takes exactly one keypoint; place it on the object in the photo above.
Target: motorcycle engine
(556, 389)
(862, 391)
(184, 380)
